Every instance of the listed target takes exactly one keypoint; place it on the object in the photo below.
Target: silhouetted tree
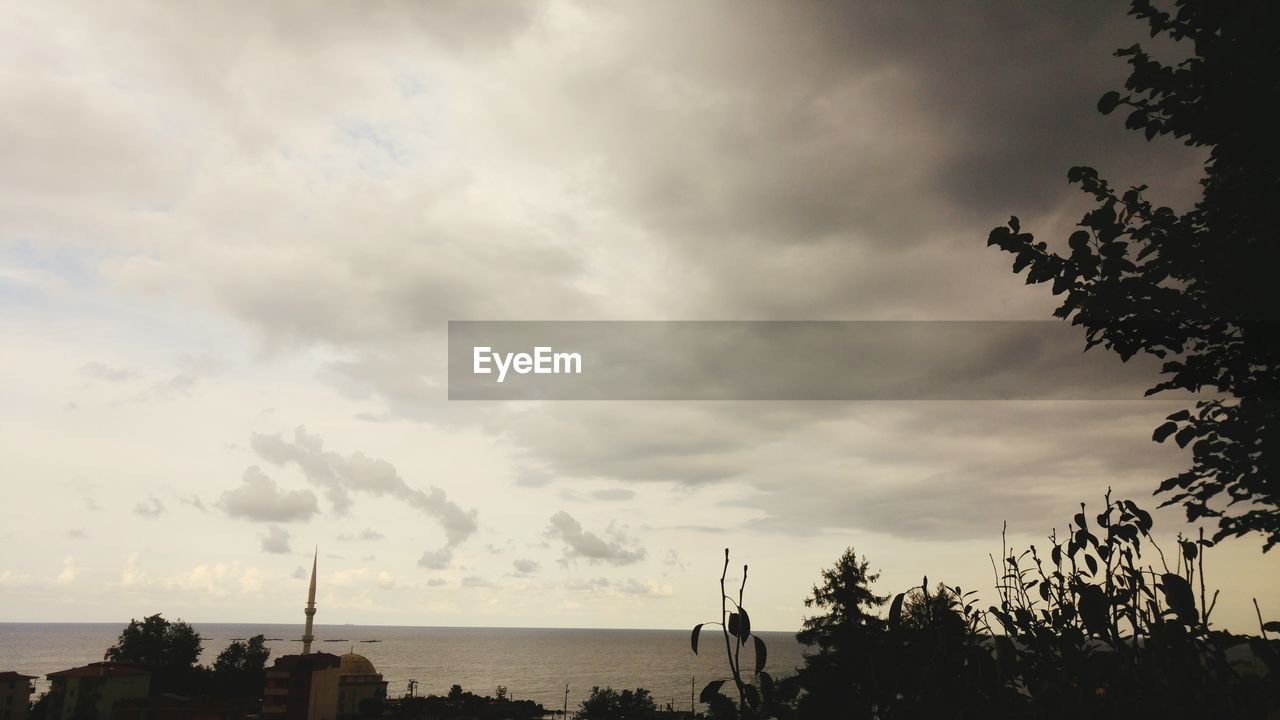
(846, 597)
(922, 610)
(240, 668)
(168, 649)
(247, 656)
(608, 704)
(840, 677)
(1197, 289)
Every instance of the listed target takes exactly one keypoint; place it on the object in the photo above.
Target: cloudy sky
(232, 234)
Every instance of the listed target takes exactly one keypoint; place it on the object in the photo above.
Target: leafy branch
(735, 626)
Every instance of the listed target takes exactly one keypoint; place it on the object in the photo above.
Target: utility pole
(693, 680)
(566, 700)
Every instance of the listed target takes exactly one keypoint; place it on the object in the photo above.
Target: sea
(532, 663)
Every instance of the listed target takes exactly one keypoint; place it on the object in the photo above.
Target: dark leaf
(1144, 519)
(762, 653)
(1189, 550)
(1184, 435)
(1108, 102)
(1164, 431)
(751, 695)
(1179, 597)
(1093, 609)
(711, 690)
(895, 611)
(693, 639)
(733, 624)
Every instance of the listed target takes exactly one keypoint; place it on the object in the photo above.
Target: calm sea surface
(532, 663)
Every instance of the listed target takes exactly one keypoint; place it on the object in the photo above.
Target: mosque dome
(355, 664)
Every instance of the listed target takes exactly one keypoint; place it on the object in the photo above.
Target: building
(359, 684)
(15, 695)
(91, 691)
(320, 686)
(302, 687)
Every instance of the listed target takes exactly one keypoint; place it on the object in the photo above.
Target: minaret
(310, 610)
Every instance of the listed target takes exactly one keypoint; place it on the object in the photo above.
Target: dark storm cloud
(969, 467)
(729, 160)
(882, 122)
(937, 470)
(716, 360)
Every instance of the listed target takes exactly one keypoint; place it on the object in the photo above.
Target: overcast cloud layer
(231, 237)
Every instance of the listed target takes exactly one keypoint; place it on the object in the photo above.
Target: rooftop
(100, 669)
(356, 664)
(312, 661)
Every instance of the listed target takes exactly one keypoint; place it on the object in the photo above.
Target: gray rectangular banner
(785, 360)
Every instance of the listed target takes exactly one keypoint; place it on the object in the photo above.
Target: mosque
(322, 686)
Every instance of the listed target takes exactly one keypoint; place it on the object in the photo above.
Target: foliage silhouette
(240, 669)
(458, 703)
(608, 704)
(248, 656)
(841, 674)
(157, 644)
(1090, 629)
(735, 624)
(1193, 288)
(168, 649)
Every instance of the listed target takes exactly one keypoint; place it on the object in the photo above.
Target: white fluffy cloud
(616, 549)
(259, 498)
(275, 540)
(340, 476)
